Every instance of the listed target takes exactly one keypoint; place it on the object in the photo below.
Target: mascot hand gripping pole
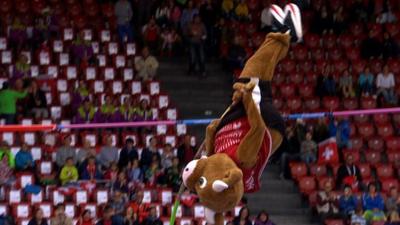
(239, 144)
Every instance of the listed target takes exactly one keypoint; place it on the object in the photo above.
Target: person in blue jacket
(348, 202)
(373, 204)
(24, 159)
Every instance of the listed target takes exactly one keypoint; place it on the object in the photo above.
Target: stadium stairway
(280, 198)
(196, 97)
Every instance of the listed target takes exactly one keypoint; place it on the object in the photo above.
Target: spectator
(366, 82)
(6, 152)
(91, 170)
(22, 69)
(242, 11)
(386, 16)
(390, 48)
(186, 151)
(69, 173)
(107, 110)
(393, 201)
(146, 65)
(118, 203)
(85, 218)
(107, 219)
(175, 14)
(348, 174)
(17, 34)
(170, 42)
(8, 100)
(237, 55)
(188, 200)
(121, 183)
(86, 112)
(151, 34)
(139, 207)
(266, 18)
(130, 218)
(308, 149)
(227, 8)
(143, 112)
(346, 85)
(197, 34)
(37, 102)
(85, 153)
(208, 14)
(385, 84)
(128, 153)
(147, 154)
(323, 21)
(188, 15)
(6, 175)
(81, 50)
(112, 172)
(153, 175)
(371, 47)
(394, 218)
(162, 14)
(327, 203)
(321, 131)
(167, 156)
(134, 172)
(65, 151)
(126, 110)
(24, 159)
(173, 175)
(60, 218)
(153, 218)
(343, 131)
(290, 152)
(373, 204)
(144, 9)
(263, 219)
(123, 12)
(38, 219)
(243, 218)
(79, 95)
(348, 202)
(108, 153)
(358, 218)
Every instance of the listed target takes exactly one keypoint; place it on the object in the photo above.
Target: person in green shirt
(69, 173)
(8, 100)
(5, 151)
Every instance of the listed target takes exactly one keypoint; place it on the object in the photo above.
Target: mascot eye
(202, 182)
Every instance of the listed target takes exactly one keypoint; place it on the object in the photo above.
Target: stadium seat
(376, 65)
(311, 40)
(368, 103)
(366, 130)
(358, 66)
(388, 183)
(334, 222)
(287, 90)
(352, 152)
(381, 118)
(307, 185)
(361, 118)
(329, 41)
(21, 211)
(300, 52)
(306, 90)
(394, 65)
(393, 157)
(5, 6)
(36, 198)
(373, 157)
(294, 104)
(318, 170)
(345, 41)
(384, 171)
(350, 103)
(365, 170)
(288, 65)
(376, 143)
(323, 180)
(385, 130)
(14, 196)
(307, 67)
(298, 170)
(331, 103)
(357, 143)
(312, 104)
(277, 102)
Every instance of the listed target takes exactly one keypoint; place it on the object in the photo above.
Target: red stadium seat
(329, 41)
(394, 65)
(381, 118)
(331, 103)
(373, 157)
(335, 54)
(368, 103)
(311, 77)
(91, 9)
(294, 104)
(311, 40)
(288, 65)
(356, 29)
(384, 171)
(313, 104)
(296, 78)
(387, 184)
(334, 222)
(357, 65)
(392, 143)
(108, 10)
(346, 41)
(376, 66)
(318, 170)
(392, 28)
(287, 90)
(313, 199)
(298, 170)
(365, 170)
(306, 90)
(323, 180)
(385, 130)
(350, 103)
(5, 6)
(307, 185)
(278, 103)
(366, 130)
(376, 143)
(300, 52)
(354, 153)
(22, 6)
(361, 118)
(306, 66)
(318, 54)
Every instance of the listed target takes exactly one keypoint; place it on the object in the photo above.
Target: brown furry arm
(251, 143)
(219, 219)
(210, 136)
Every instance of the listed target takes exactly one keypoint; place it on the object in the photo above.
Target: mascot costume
(239, 144)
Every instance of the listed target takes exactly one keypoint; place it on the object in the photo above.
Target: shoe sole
(294, 14)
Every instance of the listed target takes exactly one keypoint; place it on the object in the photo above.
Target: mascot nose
(219, 186)
(188, 171)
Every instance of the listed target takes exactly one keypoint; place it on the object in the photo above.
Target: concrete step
(284, 200)
(290, 220)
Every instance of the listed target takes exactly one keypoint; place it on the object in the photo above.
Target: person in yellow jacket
(242, 11)
(69, 173)
(227, 7)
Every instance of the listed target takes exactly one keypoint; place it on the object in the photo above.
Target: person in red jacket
(140, 208)
(85, 218)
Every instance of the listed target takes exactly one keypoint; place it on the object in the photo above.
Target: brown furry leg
(262, 64)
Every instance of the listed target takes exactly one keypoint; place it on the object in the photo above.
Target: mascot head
(216, 180)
